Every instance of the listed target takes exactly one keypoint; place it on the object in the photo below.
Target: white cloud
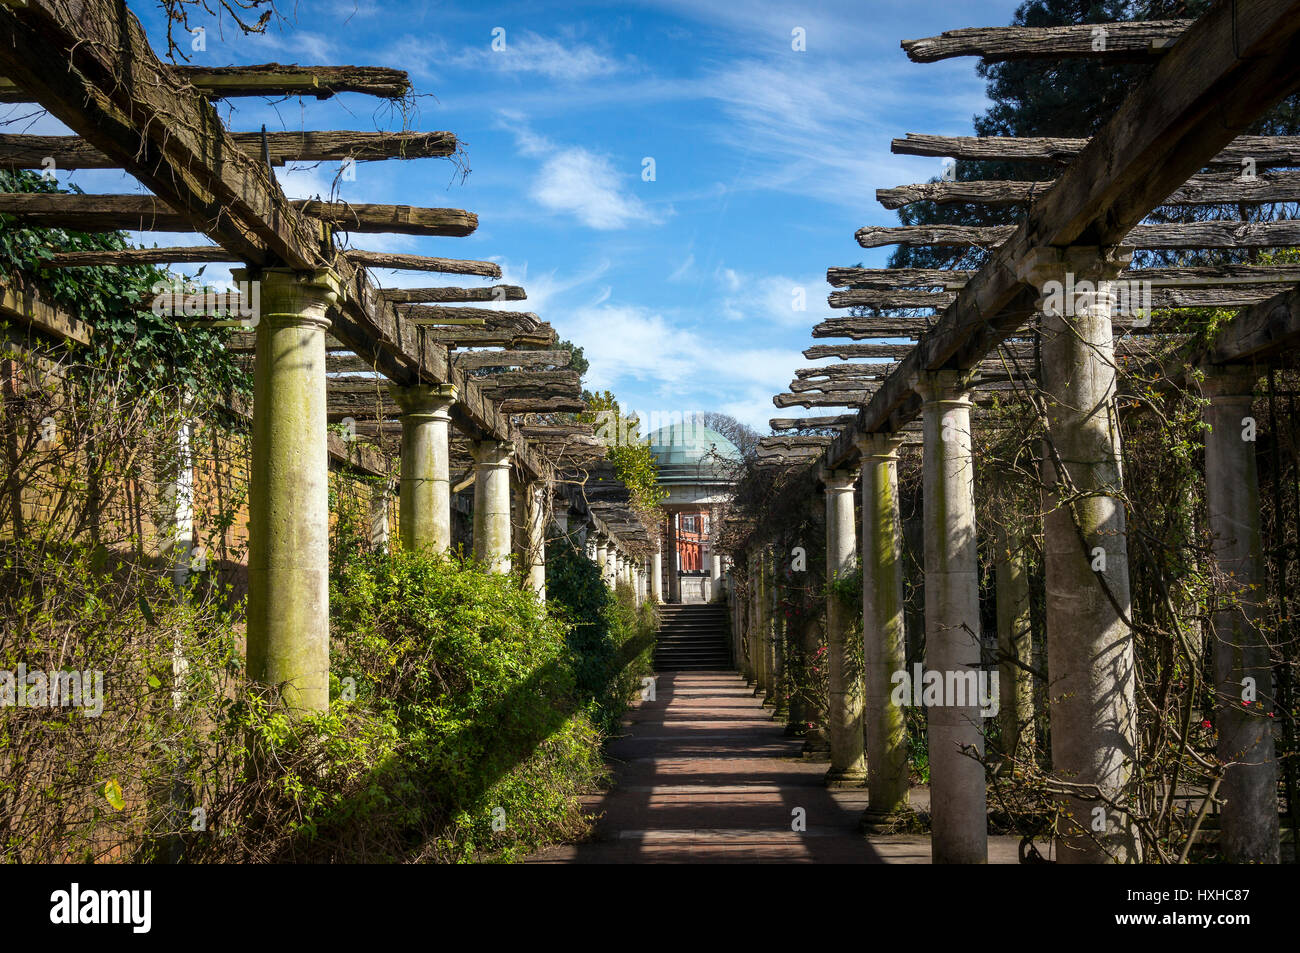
(528, 52)
(585, 185)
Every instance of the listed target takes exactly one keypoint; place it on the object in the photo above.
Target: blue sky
(681, 290)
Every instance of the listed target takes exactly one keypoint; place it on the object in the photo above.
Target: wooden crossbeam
(821, 400)
(1139, 41)
(811, 423)
(1197, 276)
(1217, 188)
(471, 360)
(503, 336)
(1262, 151)
(1262, 333)
(194, 254)
(111, 213)
(269, 79)
(851, 352)
(29, 306)
(69, 153)
(447, 266)
(450, 295)
(438, 314)
(1233, 296)
(1213, 234)
(865, 371)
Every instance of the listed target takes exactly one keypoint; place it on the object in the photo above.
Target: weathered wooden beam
(1266, 331)
(811, 423)
(447, 266)
(1201, 275)
(111, 213)
(439, 314)
(139, 256)
(1138, 41)
(849, 352)
(855, 385)
(1218, 188)
(29, 306)
(868, 371)
(550, 405)
(1233, 296)
(846, 399)
(1212, 234)
(504, 336)
(450, 295)
(69, 153)
(1263, 151)
(859, 329)
(523, 384)
(268, 79)
(471, 360)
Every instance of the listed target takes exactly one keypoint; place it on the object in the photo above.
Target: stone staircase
(693, 638)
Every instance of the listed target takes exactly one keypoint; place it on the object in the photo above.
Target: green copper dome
(691, 444)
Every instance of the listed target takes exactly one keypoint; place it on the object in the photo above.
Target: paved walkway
(705, 774)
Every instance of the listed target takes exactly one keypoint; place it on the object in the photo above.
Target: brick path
(705, 774)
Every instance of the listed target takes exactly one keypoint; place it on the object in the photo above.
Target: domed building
(698, 467)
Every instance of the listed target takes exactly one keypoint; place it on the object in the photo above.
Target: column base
(901, 821)
(836, 778)
(816, 747)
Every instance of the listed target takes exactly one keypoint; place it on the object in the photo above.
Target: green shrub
(610, 639)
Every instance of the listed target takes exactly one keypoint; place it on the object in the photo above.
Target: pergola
(329, 344)
(1000, 326)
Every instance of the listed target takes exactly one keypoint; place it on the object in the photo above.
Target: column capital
(292, 297)
(943, 387)
(842, 478)
(425, 400)
(491, 453)
(878, 446)
(1229, 382)
(1088, 262)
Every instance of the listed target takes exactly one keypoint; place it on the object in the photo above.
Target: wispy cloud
(559, 60)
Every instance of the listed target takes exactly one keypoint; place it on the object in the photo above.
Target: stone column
(657, 574)
(1241, 654)
(743, 623)
(715, 572)
(952, 624)
(600, 555)
(424, 501)
(611, 563)
(492, 528)
(884, 637)
(758, 632)
(535, 495)
(380, 501)
(1015, 644)
(844, 694)
(674, 579)
(288, 526)
(780, 687)
(1090, 653)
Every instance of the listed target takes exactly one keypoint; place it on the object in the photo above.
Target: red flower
(1206, 724)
